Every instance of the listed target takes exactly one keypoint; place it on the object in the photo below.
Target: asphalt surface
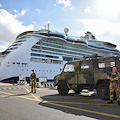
(16, 103)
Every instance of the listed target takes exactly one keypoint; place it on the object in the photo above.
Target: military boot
(110, 102)
(118, 102)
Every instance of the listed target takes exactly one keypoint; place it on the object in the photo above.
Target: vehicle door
(68, 73)
(86, 75)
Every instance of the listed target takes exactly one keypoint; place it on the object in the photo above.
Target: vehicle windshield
(69, 68)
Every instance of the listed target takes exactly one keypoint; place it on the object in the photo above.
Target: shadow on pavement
(17, 95)
(79, 105)
(72, 100)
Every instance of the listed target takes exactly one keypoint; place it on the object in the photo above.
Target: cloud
(0, 5)
(19, 14)
(65, 2)
(15, 11)
(99, 26)
(10, 27)
(55, 5)
(38, 10)
(88, 9)
(108, 8)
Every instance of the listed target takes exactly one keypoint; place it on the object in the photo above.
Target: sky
(101, 17)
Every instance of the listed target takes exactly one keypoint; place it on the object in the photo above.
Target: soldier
(113, 77)
(33, 81)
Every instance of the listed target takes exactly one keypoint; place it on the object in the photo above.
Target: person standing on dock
(33, 77)
(114, 77)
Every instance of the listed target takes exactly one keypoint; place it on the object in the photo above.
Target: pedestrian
(114, 77)
(33, 81)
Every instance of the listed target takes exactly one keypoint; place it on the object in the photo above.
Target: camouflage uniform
(114, 86)
(33, 81)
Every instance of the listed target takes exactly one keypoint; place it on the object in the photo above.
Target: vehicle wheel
(62, 88)
(103, 91)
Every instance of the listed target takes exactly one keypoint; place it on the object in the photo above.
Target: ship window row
(90, 45)
(12, 48)
(69, 46)
(63, 46)
(65, 51)
(37, 47)
(67, 59)
(70, 59)
(50, 34)
(18, 64)
(23, 38)
(45, 61)
(20, 41)
(52, 51)
(73, 56)
(42, 55)
(61, 52)
(41, 70)
(79, 50)
(97, 47)
(68, 49)
(16, 45)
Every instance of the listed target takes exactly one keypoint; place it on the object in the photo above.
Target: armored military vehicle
(89, 73)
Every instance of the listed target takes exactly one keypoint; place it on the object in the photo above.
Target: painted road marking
(83, 103)
(17, 96)
(10, 88)
(64, 106)
(90, 111)
(34, 95)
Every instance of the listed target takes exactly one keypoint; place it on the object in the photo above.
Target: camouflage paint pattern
(88, 73)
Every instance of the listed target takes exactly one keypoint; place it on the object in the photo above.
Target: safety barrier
(21, 82)
(50, 85)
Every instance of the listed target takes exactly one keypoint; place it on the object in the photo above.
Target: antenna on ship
(48, 25)
(66, 30)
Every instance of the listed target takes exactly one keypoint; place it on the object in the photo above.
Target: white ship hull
(17, 63)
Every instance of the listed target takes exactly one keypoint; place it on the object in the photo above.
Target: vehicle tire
(103, 91)
(62, 88)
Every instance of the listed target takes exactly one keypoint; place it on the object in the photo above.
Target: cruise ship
(46, 51)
